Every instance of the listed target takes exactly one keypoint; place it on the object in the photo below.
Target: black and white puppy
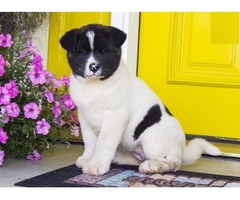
(122, 120)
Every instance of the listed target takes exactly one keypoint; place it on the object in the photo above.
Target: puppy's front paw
(81, 161)
(96, 168)
(148, 167)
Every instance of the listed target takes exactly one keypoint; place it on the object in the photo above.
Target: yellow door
(62, 22)
(192, 61)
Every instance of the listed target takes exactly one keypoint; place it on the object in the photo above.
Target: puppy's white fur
(91, 35)
(109, 112)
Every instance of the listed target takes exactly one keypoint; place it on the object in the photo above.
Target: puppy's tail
(196, 148)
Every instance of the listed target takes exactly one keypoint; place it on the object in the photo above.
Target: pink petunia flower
(2, 63)
(42, 127)
(65, 80)
(52, 80)
(49, 96)
(1, 157)
(67, 102)
(3, 136)
(56, 109)
(12, 109)
(4, 96)
(34, 156)
(31, 110)
(37, 76)
(12, 89)
(37, 62)
(6, 41)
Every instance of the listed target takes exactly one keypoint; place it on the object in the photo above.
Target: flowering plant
(35, 106)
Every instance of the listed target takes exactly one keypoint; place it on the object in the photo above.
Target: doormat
(128, 176)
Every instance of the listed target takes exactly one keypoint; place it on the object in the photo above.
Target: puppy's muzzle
(94, 67)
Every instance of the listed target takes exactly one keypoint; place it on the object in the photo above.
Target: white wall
(40, 40)
(129, 23)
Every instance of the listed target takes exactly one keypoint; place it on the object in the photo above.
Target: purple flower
(31, 110)
(1, 157)
(37, 62)
(49, 96)
(4, 96)
(52, 80)
(37, 76)
(2, 63)
(68, 103)
(42, 127)
(65, 80)
(34, 156)
(3, 136)
(56, 109)
(12, 89)
(6, 41)
(12, 109)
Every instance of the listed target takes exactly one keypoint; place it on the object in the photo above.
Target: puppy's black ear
(69, 40)
(118, 37)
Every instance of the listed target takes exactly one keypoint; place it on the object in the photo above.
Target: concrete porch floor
(14, 170)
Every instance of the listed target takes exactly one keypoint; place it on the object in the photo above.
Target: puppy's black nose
(94, 67)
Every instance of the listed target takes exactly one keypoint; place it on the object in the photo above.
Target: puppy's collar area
(93, 76)
(89, 78)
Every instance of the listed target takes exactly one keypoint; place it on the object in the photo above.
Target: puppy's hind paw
(155, 166)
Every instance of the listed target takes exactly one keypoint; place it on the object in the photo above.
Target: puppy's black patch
(153, 116)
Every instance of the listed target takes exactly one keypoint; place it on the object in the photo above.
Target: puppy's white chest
(90, 106)
(95, 102)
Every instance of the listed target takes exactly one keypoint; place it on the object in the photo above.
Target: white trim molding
(40, 41)
(129, 23)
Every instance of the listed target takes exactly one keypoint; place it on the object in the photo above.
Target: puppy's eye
(104, 51)
(82, 51)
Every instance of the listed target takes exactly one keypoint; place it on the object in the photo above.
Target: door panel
(192, 63)
(62, 22)
(193, 59)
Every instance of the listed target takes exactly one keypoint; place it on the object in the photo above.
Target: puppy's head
(93, 51)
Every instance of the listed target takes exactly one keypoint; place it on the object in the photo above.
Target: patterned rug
(128, 176)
